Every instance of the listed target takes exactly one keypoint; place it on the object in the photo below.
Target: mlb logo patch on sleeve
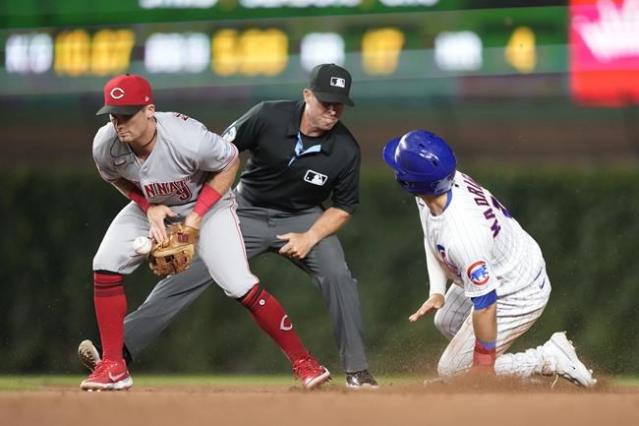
(230, 134)
(478, 273)
(315, 178)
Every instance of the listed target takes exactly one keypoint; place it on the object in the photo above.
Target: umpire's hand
(298, 245)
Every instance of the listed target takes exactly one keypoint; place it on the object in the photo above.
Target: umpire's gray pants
(325, 263)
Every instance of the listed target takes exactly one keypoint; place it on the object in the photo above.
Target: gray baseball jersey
(184, 155)
(184, 152)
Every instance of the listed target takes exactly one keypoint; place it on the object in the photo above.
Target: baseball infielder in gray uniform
(300, 155)
(172, 168)
(500, 286)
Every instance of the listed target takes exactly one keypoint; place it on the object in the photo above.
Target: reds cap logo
(478, 273)
(117, 93)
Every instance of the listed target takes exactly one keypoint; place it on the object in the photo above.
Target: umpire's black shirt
(289, 171)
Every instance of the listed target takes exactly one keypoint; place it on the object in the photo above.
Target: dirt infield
(462, 403)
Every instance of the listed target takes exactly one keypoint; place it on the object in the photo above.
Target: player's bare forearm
(222, 181)
(485, 327)
(485, 323)
(300, 244)
(329, 223)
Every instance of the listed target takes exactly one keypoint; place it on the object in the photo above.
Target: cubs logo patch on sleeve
(478, 273)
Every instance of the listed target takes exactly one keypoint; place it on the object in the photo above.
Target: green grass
(626, 381)
(13, 383)
(34, 383)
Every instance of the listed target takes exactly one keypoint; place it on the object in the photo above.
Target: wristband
(207, 198)
(484, 354)
(137, 197)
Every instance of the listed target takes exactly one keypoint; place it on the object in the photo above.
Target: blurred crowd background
(539, 99)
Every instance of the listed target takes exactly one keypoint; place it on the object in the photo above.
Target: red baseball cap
(126, 94)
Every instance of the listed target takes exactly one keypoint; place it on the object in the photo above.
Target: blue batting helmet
(424, 164)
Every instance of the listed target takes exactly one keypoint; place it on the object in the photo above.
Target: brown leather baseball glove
(176, 253)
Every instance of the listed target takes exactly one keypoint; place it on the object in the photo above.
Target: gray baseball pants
(325, 263)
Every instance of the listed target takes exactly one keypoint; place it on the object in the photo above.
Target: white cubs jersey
(477, 243)
(185, 152)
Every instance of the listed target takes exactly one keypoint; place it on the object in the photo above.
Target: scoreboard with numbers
(431, 43)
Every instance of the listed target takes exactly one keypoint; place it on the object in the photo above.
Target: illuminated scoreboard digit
(225, 53)
(177, 52)
(380, 50)
(111, 51)
(521, 50)
(106, 52)
(29, 53)
(72, 53)
(458, 51)
(263, 52)
(249, 53)
(319, 48)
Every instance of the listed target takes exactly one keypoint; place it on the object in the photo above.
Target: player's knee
(443, 325)
(106, 261)
(99, 261)
(445, 368)
(339, 277)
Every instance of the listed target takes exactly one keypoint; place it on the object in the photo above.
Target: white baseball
(142, 245)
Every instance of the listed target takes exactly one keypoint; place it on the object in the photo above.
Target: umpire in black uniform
(300, 155)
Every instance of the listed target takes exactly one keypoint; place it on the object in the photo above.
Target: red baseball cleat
(310, 372)
(108, 375)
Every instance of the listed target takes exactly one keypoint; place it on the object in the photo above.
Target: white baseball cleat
(564, 362)
(88, 354)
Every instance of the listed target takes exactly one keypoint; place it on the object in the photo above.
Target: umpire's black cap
(331, 83)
